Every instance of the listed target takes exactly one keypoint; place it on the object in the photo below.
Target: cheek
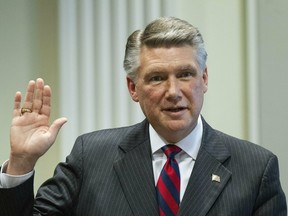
(196, 93)
(146, 93)
(199, 86)
(149, 97)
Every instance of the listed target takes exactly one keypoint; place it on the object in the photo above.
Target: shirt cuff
(9, 181)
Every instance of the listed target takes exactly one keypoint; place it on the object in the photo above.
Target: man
(119, 171)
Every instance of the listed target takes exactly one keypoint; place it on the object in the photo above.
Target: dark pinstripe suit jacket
(110, 172)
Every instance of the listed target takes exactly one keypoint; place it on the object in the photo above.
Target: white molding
(68, 65)
(252, 71)
(86, 75)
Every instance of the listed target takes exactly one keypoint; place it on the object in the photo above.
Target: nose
(173, 89)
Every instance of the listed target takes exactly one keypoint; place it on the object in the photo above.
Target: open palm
(31, 134)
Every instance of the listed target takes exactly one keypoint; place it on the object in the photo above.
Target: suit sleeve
(57, 196)
(17, 200)
(271, 198)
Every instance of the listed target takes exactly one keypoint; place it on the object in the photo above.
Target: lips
(175, 109)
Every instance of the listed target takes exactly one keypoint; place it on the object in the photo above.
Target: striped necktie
(168, 185)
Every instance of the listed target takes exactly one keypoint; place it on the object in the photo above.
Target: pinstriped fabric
(106, 181)
(168, 185)
(134, 171)
(244, 169)
(117, 175)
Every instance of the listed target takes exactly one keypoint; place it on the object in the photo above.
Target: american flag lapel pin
(215, 178)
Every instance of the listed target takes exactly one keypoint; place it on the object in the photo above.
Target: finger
(46, 102)
(38, 95)
(28, 102)
(56, 126)
(17, 104)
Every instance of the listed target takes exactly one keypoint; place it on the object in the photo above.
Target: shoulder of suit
(241, 145)
(115, 134)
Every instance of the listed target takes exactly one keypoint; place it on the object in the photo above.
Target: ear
(132, 89)
(205, 79)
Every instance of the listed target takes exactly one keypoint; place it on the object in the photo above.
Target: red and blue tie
(168, 185)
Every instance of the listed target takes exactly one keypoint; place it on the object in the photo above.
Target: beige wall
(273, 76)
(29, 49)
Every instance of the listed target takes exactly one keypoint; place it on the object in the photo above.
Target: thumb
(56, 126)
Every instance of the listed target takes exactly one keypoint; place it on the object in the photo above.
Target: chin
(177, 126)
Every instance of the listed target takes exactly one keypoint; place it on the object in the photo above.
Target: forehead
(167, 57)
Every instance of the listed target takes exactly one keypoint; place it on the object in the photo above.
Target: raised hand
(31, 134)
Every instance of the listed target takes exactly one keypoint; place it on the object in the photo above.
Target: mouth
(175, 109)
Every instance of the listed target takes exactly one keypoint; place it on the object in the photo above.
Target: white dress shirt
(186, 158)
(9, 181)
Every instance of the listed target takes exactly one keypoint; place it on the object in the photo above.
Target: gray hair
(163, 32)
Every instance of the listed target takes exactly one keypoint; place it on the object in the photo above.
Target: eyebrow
(186, 68)
(179, 69)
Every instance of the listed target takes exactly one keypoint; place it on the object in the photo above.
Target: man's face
(170, 89)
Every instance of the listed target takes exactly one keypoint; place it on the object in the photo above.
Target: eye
(186, 74)
(156, 78)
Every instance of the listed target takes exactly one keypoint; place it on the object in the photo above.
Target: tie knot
(171, 150)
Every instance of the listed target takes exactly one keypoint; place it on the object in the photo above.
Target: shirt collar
(190, 144)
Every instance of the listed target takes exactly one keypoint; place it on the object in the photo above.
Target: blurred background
(77, 47)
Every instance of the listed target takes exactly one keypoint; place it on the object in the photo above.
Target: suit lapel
(202, 191)
(135, 172)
